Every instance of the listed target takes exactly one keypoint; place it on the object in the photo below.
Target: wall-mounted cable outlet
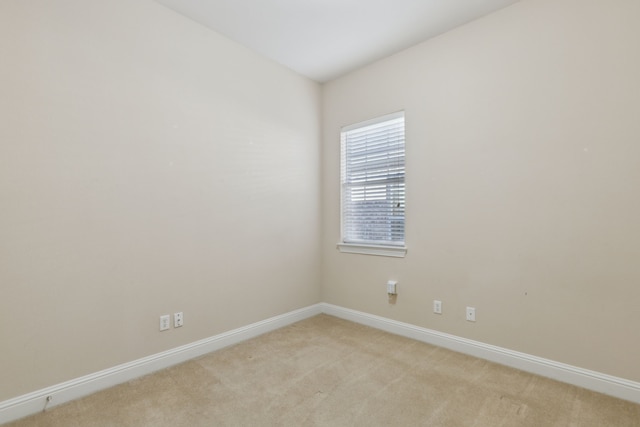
(165, 322)
(471, 314)
(437, 306)
(177, 320)
(47, 401)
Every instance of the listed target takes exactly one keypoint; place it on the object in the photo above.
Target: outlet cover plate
(437, 306)
(178, 320)
(165, 322)
(471, 314)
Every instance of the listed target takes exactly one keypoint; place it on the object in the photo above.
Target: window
(373, 189)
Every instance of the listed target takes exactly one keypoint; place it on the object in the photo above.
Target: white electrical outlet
(437, 306)
(471, 314)
(177, 320)
(165, 322)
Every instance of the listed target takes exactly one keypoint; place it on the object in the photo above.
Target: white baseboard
(35, 402)
(596, 381)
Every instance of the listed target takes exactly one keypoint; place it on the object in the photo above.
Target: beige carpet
(325, 371)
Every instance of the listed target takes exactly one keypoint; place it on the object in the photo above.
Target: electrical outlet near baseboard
(165, 322)
(178, 320)
(437, 306)
(471, 314)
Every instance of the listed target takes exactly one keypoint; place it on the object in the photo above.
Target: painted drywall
(523, 151)
(147, 166)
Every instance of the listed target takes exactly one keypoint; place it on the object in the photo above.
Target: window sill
(391, 251)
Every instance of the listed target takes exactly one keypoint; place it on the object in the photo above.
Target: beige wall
(147, 166)
(523, 148)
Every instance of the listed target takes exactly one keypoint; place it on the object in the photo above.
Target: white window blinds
(373, 189)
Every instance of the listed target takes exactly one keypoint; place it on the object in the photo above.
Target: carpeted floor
(326, 371)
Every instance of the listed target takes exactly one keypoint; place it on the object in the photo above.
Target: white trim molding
(595, 381)
(58, 394)
(356, 248)
(49, 397)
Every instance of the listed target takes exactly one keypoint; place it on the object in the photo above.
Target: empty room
(330, 213)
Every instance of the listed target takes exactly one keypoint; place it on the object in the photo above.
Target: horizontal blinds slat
(371, 146)
(387, 138)
(393, 196)
(360, 144)
(377, 178)
(388, 155)
(375, 169)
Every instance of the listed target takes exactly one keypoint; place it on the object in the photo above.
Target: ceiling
(323, 39)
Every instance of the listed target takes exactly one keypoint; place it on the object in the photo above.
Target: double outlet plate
(165, 321)
(470, 312)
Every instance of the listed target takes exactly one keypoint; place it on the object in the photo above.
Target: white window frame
(349, 244)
